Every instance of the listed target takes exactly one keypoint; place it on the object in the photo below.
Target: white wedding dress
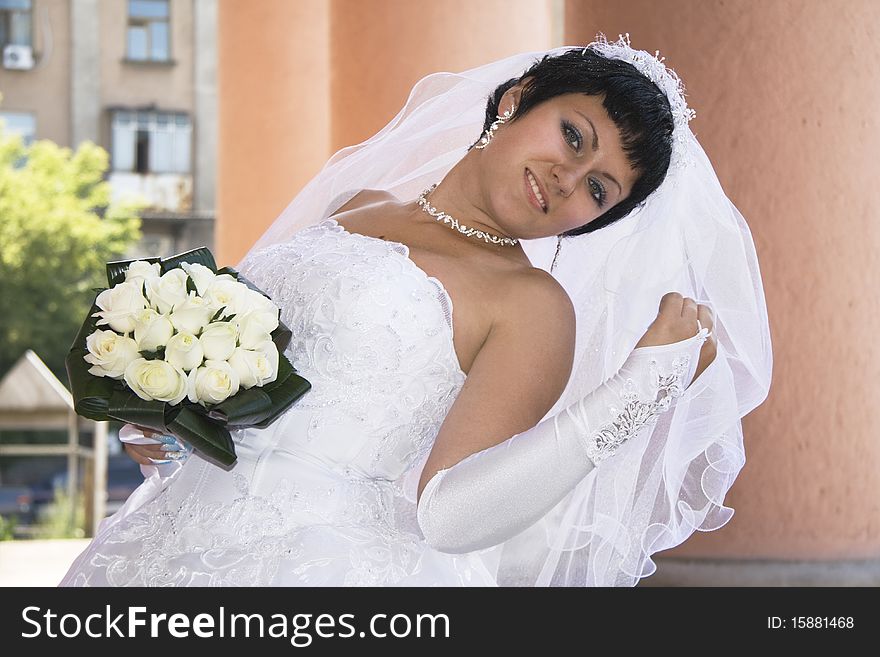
(324, 496)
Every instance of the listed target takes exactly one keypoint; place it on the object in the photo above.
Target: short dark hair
(638, 107)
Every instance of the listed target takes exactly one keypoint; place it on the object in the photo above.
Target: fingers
(169, 450)
(680, 318)
(689, 309)
(706, 317)
(671, 302)
(674, 307)
(150, 433)
(139, 453)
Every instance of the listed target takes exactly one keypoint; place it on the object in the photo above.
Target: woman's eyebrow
(595, 134)
(596, 146)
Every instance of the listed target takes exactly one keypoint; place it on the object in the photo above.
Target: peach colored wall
(381, 48)
(274, 114)
(45, 89)
(357, 60)
(786, 94)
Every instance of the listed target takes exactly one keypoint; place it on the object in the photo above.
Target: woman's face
(556, 168)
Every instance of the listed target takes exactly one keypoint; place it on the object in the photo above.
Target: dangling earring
(558, 248)
(490, 131)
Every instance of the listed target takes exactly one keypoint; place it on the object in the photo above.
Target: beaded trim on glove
(638, 413)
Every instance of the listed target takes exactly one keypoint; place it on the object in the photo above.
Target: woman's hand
(168, 450)
(677, 321)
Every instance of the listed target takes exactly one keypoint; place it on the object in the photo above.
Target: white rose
(156, 379)
(202, 276)
(140, 271)
(212, 382)
(255, 367)
(252, 328)
(192, 315)
(261, 306)
(184, 351)
(223, 293)
(110, 353)
(152, 330)
(168, 290)
(219, 340)
(119, 305)
(247, 300)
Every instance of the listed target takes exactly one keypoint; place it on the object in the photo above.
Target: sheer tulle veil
(687, 237)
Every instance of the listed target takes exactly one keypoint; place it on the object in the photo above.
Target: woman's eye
(598, 191)
(572, 136)
(574, 139)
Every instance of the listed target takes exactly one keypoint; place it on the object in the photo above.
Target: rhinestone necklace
(452, 222)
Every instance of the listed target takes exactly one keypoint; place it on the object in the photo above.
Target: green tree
(58, 229)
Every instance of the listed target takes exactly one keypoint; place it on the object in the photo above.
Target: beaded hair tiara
(652, 67)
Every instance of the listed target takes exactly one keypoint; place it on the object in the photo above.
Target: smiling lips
(536, 195)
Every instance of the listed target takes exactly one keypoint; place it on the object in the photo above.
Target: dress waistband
(308, 486)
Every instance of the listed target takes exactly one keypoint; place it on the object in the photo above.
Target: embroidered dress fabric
(315, 499)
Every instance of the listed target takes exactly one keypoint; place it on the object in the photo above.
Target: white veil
(688, 237)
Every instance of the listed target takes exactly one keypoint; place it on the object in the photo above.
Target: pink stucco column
(786, 94)
(274, 113)
(299, 80)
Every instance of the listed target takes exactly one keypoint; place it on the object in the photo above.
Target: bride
(475, 448)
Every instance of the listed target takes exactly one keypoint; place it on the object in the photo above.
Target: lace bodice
(374, 335)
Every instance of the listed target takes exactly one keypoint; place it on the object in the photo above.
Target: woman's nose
(566, 179)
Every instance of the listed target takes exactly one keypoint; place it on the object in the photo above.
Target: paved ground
(37, 563)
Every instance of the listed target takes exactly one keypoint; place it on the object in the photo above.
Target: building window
(20, 123)
(151, 142)
(148, 30)
(15, 22)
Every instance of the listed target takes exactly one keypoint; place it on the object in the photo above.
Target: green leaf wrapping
(281, 336)
(125, 405)
(90, 393)
(207, 436)
(259, 407)
(200, 256)
(185, 421)
(206, 429)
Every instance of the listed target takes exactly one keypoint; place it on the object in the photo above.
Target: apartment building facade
(137, 77)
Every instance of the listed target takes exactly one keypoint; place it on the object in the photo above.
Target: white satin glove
(494, 494)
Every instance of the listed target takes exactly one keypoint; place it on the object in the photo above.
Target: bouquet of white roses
(182, 348)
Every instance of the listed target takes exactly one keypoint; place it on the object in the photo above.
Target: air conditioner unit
(18, 57)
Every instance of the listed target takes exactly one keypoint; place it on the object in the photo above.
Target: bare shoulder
(538, 290)
(537, 314)
(517, 376)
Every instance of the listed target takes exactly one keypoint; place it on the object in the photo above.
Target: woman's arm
(519, 373)
(477, 489)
